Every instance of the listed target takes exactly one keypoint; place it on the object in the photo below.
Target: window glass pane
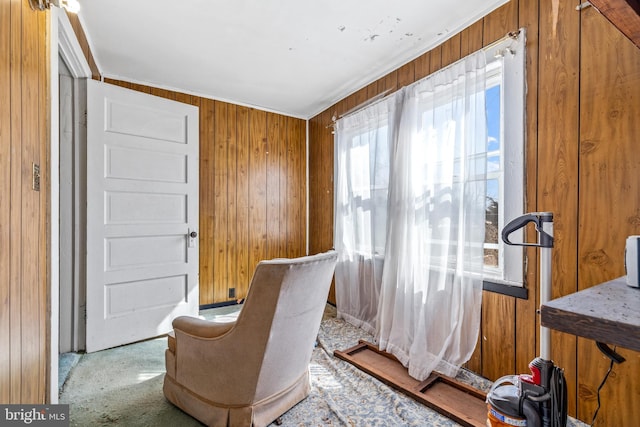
(493, 243)
(491, 215)
(493, 162)
(492, 99)
(491, 258)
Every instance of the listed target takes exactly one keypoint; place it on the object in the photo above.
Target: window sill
(505, 289)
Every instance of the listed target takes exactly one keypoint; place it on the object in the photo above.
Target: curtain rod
(510, 35)
(358, 107)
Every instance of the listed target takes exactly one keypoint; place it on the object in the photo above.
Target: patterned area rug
(342, 395)
(123, 386)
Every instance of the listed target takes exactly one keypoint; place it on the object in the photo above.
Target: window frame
(508, 57)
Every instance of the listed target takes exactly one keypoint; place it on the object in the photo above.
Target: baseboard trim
(221, 304)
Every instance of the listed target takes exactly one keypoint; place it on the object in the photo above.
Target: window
(368, 158)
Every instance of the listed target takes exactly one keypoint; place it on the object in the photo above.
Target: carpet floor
(123, 386)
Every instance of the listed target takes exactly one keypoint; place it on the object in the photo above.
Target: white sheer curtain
(410, 218)
(362, 147)
(430, 298)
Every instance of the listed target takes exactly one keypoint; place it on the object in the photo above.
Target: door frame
(63, 43)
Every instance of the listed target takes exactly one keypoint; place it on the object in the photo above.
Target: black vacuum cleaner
(537, 399)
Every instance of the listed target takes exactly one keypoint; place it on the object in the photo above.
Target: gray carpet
(123, 386)
(66, 362)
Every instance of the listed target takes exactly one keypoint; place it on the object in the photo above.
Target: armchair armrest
(203, 350)
(201, 328)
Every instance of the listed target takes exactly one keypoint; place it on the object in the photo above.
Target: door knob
(191, 238)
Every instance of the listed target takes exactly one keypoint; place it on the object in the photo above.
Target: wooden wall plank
(372, 90)
(345, 105)
(273, 185)
(328, 190)
(387, 83)
(187, 99)
(316, 207)
(283, 205)
(350, 103)
(138, 87)
(406, 74)
(471, 38)
(164, 93)
(526, 318)
(558, 152)
(321, 180)
(435, 62)
(422, 67)
(244, 271)
(220, 191)
(293, 159)
(359, 97)
(44, 118)
(207, 200)
(498, 335)
(451, 50)
(232, 194)
(30, 153)
(314, 157)
(257, 187)
(500, 22)
(321, 161)
(300, 195)
(609, 132)
(15, 281)
(608, 89)
(5, 208)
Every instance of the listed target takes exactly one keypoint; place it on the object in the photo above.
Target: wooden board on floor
(451, 398)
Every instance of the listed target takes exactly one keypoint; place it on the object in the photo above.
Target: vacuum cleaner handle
(538, 218)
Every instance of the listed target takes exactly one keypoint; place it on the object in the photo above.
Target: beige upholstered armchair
(251, 371)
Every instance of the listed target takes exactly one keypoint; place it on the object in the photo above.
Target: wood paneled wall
(609, 199)
(24, 140)
(582, 164)
(252, 191)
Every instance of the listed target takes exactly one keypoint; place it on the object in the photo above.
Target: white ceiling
(295, 57)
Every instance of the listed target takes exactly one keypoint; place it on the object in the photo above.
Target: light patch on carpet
(145, 376)
(323, 378)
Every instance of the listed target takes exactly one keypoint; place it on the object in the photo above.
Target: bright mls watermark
(34, 415)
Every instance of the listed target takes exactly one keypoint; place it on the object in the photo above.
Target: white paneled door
(142, 214)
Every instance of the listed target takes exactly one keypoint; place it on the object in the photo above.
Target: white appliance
(632, 261)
